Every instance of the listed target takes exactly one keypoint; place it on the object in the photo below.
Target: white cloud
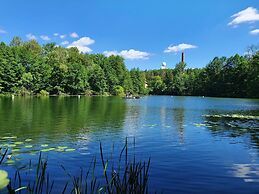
(247, 15)
(62, 36)
(110, 53)
(2, 31)
(128, 54)
(44, 37)
(30, 36)
(82, 44)
(56, 34)
(74, 35)
(254, 32)
(65, 42)
(179, 47)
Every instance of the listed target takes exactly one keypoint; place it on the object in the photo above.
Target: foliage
(118, 91)
(27, 68)
(4, 181)
(236, 76)
(43, 93)
(124, 175)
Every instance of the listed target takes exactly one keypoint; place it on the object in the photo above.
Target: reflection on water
(248, 172)
(62, 116)
(190, 153)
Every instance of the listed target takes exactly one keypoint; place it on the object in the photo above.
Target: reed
(126, 175)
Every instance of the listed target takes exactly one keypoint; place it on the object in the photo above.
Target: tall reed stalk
(123, 177)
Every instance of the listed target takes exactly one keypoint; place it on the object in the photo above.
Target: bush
(22, 91)
(118, 91)
(43, 93)
(88, 92)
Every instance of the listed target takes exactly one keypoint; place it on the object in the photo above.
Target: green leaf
(4, 181)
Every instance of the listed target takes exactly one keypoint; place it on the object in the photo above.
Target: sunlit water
(190, 153)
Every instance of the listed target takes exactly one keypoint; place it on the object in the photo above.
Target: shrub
(118, 91)
(44, 93)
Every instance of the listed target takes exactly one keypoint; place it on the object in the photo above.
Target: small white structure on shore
(163, 66)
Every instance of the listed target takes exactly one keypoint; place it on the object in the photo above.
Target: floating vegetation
(10, 162)
(4, 181)
(233, 116)
(28, 146)
(48, 149)
(12, 145)
(62, 147)
(124, 175)
(15, 150)
(150, 125)
(17, 146)
(9, 137)
(28, 140)
(19, 143)
(200, 124)
(70, 150)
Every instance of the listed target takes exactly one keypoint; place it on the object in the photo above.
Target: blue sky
(144, 32)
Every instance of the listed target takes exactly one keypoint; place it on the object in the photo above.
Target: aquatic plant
(233, 116)
(4, 181)
(124, 176)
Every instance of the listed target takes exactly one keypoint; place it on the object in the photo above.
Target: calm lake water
(190, 153)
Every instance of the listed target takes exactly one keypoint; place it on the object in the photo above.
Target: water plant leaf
(199, 124)
(12, 145)
(28, 140)
(44, 145)
(47, 149)
(62, 147)
(15, 150)
(9, 137)
(70, 150)
(59, 150)
(10, 162)
(28, 146)
(234, 116)
(18, 143)
(4, 181)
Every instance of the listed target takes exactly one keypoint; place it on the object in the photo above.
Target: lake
(197, 145)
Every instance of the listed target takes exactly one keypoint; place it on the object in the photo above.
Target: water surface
(190, 153)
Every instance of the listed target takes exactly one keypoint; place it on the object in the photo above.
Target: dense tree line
(236, 76)
(27, 68)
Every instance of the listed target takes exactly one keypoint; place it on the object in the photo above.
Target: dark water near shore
(190, 153)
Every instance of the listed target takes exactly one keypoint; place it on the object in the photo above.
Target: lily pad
(28, 146)
(47, 149)
(4, 181)
(44, 145)
(199, 124)
(28, 140)
(59, 150)
(10, 137)
(18, 143)
(12, 145)
(70, 150)
(10, 162)
(15, 150)
(62, 147)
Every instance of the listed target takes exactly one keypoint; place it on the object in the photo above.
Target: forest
(28, 68)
